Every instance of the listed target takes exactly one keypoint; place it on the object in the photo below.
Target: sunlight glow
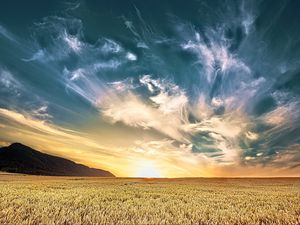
(147, 169)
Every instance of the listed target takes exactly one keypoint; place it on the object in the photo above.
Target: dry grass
(53, 200)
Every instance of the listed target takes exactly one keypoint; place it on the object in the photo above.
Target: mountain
(18, 158)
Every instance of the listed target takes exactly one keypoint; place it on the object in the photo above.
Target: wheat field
(74, 200)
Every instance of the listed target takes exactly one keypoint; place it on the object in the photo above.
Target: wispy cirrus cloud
(8, 82)
(7, 34)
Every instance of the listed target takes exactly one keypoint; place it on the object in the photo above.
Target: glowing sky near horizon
(155, 88)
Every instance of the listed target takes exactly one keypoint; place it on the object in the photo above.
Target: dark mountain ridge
(19, 158)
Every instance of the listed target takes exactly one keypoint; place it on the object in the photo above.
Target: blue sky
(180, 88)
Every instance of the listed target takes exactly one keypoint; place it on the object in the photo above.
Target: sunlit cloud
(132, 111)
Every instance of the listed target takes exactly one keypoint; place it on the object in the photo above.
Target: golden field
(74, 200)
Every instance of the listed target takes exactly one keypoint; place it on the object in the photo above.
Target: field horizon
(28, 199)
(149, 178)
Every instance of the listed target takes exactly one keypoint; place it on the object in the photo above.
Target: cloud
(120, 104)
(170, 103)
(123, 85)
(38, 125)
(9, 86)
(41, 112)
(283, 115)
(111, 46)
(22, 127)
(288, 158)
(39, 55)
(8, 81)
(73, 42)
(173, 161)
(132, 111)
(166, 112)
(5, 33)
(130, 56)
(111, 64)
(215, 56)
(170, 98)
(213, 133)
(251, 135)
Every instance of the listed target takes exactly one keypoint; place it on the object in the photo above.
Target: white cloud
(111, 46)
(9, 83)
(111, 64)
(142, 45)
(170, 103)
(7, 79)
(165, 112)
(169, 98)
(84, 83)
(77, 74)
(215, 56)
(132, 111)
(39, 55)
(124, 85)
(73, 42)
(130, 56)
(205, 55)
(41, 113)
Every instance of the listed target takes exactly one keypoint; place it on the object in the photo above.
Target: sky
(177, 88)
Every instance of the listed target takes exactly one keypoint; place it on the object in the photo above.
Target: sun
(147, 169)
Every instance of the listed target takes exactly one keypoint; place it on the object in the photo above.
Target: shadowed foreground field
(72, 200)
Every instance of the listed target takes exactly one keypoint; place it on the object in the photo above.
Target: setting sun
(147, 169)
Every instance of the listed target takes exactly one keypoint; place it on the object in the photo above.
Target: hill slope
(18, 158)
